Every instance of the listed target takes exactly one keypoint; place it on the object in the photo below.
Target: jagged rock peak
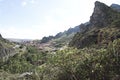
(100, 5)
(99, 17)
(99, 14)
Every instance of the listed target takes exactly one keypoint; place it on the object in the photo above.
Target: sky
(34, 19)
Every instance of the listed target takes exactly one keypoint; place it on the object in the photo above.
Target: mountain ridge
(104, 21)
(115, 7)
(60, 34)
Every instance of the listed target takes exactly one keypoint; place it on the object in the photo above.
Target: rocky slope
(104, 26)
(6, 48)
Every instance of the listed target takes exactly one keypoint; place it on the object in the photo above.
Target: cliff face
(103, 15)
(104, 26)
(6, 48)
(98, 17)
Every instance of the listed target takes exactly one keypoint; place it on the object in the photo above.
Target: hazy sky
(33, 19)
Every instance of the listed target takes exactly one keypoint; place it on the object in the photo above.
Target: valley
(89, 51)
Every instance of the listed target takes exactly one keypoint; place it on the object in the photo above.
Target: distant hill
(104, 26)
(61, 34)
(58, 41)
(115, 7)
(18, 40)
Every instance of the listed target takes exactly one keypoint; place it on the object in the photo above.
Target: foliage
(24, 62)
(70, 64)
(116, 23)
(82, 64)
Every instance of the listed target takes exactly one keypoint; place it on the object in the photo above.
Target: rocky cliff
(6, 48)
(104, 26)
(103, 15)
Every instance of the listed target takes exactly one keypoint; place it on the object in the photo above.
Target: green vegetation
(100, 37)
(84, 64)
(94, 54)
(46, 39)
(68, 64)
(24, 62)
(116, 23)
(62, 41)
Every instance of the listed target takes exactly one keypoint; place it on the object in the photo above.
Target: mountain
(61, 39)
(115, 7)
(104, 26)
(103, 15)
(60, 34)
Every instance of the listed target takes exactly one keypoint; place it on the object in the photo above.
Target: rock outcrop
(104, 26)
(6, 49)
(103, 15)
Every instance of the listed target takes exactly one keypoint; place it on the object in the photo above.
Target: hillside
(59, 41)
(61, 34)
(93, 52)
(6, 48)
(104, 27)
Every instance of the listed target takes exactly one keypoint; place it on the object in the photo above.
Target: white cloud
(13, 32)
(32, 1)
(24, 3)
(34, 32)
(49, 27)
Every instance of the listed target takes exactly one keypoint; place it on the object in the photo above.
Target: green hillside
(93, 52)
